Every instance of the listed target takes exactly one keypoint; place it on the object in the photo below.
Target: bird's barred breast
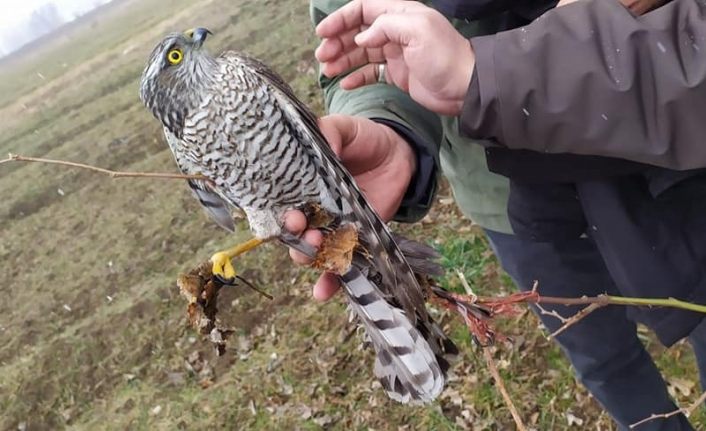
(244, 142)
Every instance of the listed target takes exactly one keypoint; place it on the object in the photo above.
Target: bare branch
(576, 318)
(503, 391)
(114, 174)
(658, 416)
(466, 286)
(494, 306)
(685, 411)
(552, 313)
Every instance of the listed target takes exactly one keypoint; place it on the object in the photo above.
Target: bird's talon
(222, 268)
(225, 281)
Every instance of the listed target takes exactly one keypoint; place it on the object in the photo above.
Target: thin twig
(685, 411)
(535, 286)
(552, 313)
(576, 318)
(656, 416)
(466, 286)
(114, 174)
(503, 391)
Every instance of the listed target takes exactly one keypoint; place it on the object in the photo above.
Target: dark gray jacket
(591, 78)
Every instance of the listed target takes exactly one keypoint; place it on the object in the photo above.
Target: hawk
(237, 123)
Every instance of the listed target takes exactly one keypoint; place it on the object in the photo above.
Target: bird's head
(176, 74)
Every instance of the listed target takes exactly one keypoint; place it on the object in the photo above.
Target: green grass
(118, 357)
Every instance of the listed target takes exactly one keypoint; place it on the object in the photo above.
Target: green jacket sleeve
(393, 107)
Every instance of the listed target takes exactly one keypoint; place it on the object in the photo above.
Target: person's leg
(603, 347)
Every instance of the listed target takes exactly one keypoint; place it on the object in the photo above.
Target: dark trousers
(603, 348)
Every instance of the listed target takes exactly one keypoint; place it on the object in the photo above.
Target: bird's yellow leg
(221, 261)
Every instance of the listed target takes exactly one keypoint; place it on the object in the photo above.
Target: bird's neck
(188, 93)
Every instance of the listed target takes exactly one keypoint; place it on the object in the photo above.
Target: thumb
(388, 28)
(334, 129)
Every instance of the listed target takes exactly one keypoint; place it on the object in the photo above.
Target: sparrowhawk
(236, 122)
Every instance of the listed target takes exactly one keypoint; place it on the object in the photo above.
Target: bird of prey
(234, 121)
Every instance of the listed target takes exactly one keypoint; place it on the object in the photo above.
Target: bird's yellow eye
(175, 56)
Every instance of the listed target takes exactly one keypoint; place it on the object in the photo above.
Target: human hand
(382, 164)
(424, 55)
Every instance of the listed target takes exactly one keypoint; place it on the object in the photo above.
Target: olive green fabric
(481, 195)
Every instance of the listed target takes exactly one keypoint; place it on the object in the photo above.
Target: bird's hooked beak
(198, 35)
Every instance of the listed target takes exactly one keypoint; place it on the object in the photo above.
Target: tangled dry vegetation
(93, 333)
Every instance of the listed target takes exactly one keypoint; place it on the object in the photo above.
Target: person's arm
(392, 107)
(591, 78)
(588, 78)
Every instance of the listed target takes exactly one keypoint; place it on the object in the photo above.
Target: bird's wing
(220, 210)
(382, 288)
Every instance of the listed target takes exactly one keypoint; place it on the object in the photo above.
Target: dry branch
(113, 174)
(465, 284)
(576, 318)
(686, 411)
(552, 313)
(503, 391)
(481, 330)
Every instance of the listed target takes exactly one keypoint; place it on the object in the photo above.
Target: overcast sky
(15, 17)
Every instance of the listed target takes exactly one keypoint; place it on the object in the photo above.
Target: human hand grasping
(382, 164)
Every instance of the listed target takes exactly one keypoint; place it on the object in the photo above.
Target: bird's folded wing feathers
(215, 206)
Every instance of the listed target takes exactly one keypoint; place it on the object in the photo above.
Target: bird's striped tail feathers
(411, 360)
(405, 364)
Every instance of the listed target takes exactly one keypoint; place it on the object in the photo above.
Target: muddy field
(93, 331)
